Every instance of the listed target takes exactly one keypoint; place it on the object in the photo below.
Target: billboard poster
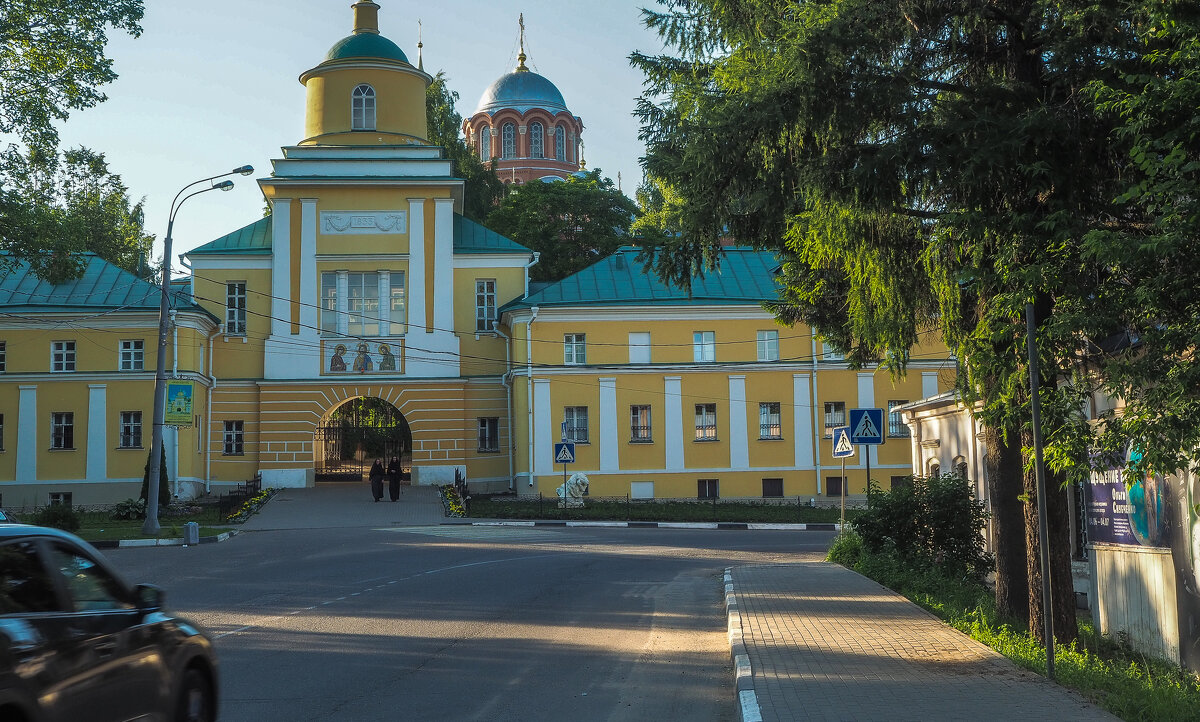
(1125, 507)
(179, 403)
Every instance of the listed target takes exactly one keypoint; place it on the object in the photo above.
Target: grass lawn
(677, 510)
(101, 526)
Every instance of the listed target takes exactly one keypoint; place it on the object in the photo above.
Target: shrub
(934, 521)
(846, 549)
(59, 516)
(130, 509)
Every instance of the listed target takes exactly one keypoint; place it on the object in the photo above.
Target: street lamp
(151, 526)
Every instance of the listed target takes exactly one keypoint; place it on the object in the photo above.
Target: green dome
(366, 45)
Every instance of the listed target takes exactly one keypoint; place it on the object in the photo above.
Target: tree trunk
(1062, 588)
(1005, 486)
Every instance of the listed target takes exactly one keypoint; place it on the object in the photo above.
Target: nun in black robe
(393, 474)
(377, 480)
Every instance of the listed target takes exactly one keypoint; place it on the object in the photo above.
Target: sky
(213, 85)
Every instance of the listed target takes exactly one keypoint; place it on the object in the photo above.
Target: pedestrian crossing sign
(842, 448)
(564, 453)
(866, 426)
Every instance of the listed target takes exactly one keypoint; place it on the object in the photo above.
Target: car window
(25, 586)
(91, 588)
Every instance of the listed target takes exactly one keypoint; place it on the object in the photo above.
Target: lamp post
(160, 377)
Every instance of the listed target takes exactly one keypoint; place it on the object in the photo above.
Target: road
(467, 623)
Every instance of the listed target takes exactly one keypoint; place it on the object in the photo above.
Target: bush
(846, 549)
(130, 509)
(59, 516)
(934, 521)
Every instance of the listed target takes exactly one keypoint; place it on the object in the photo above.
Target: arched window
(362, 108)
(935, 468)
(560, 144)
(508, 141)
(537, 141)
(960, 467)
(485, 144)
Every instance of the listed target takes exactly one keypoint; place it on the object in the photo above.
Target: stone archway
(355, 433)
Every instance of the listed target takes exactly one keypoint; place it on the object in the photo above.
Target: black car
(77, 643)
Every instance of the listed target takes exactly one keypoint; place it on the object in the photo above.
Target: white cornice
(671, 312)
(231, 262)
(491, 260)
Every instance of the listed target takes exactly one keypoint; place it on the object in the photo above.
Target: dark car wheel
(195, 702)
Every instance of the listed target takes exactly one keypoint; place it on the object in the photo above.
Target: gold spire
(582, 160)
(521, 58)
(420, 59)
(366, 17)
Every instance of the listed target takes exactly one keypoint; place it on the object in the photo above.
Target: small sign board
(179, 404)
(564, 453)
(866, 426)
(842, 448)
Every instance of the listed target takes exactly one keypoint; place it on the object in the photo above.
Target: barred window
(896, 425)
(62, 430)
(131, 429)
(706, 422)
(537, 140)
(560, 144)
(639, 423)
(508, 141)
(769, 426)
(489, 433)
(235, 438)
(835, 416)
(575, 424)
(485, 144)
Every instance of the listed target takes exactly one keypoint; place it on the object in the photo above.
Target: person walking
(377, 480)
(393, 473)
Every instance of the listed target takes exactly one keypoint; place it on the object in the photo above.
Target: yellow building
(366, 318)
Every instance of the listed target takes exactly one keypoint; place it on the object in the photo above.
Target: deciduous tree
(483, 188)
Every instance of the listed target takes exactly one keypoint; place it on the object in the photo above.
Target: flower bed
(251, 506)
(452, 502)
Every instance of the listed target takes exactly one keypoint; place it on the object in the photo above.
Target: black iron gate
(358, 433)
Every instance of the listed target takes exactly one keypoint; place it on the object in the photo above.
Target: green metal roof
(252, 239)
(366, 45)
(255, 239)
(470, 237)
(102, 286)
(745, 277)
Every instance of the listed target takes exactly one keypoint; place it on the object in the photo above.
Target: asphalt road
(467, 623)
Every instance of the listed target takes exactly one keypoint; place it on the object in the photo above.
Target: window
(362, 304)
(235, 308)
(575, 424)
(829, 354)
(560, 144)
(768, 421)
(62, 356)
(485, 304)
(235, 438)
(708, 488)
(639, 424)
(89, 586)
(706, 422)
(329, 303)
(132, 355)
(768, 345)
(131, 429)
(833, 485)
(639, 347)
(508, 141)
(537, 140)
(25, 585)
(935, 468)
(835, 416)
(1, 357)
(772, 487)
(485, 144)
(359, 308)
(575, 348)
(489, 433)
(59, 497)
(62, 430)
(362, 108)
(896, 425)
(704, 347)
(960, 467)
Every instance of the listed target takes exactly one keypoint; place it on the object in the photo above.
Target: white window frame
(485, 144)
(768, 346)
(131, 430)
(235, 308)
(62, 357)
(574, 349)
(133, 355)
(62, 426)
(896, 426)
(234, 438)
(770, 420)
(362, 107)
(575, 419)
(704, 347)
(706, 422)
(641, 428)
(829, 354)
(489, 431)
(485, 304)
(835, 416)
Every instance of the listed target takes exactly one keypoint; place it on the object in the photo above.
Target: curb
(126, 543)
(743, 526)
(747, 699)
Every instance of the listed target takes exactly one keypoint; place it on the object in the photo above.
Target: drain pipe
(506, 382)
(208, 423)
(529, 384)
(537, 256)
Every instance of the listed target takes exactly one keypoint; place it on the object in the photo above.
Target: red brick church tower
(523, 125)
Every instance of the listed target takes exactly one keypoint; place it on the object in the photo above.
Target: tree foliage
(483, 188)
(572, 224)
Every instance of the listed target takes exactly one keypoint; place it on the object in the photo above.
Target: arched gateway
(354, 434)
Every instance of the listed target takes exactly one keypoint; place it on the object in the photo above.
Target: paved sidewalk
(824, 643)
(347, 504)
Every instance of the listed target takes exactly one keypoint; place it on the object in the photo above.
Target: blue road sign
(564, 453)
(842, 448)
(866, 426)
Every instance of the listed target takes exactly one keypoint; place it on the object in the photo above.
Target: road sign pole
(842, 527)
(867, 458)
